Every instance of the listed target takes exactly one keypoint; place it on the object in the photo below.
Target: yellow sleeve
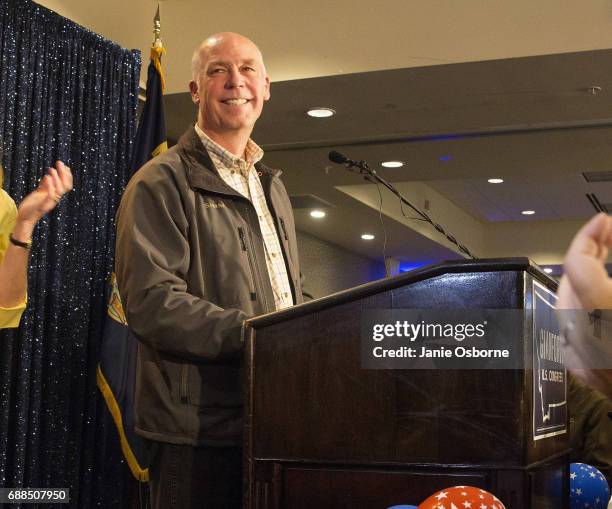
(9, 317)
(8, 215)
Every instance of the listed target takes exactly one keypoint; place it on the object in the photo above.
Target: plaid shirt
(241, 175)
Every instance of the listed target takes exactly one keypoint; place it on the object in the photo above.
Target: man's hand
(585, 283)
(35, 205)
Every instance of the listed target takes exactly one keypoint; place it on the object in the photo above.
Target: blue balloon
(588, 486)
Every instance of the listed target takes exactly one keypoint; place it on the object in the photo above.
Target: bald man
(205, 240)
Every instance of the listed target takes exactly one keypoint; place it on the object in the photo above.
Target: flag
(116, 371)
(151, 134)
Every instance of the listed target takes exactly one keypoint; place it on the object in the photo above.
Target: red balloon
(462, 497)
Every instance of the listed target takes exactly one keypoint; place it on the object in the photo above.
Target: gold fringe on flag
(156, 54)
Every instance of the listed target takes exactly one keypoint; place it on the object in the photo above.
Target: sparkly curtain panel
(65, 93)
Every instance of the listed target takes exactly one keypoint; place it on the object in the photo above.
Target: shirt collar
(253, 152)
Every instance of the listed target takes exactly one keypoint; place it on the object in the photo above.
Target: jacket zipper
(183, 390)
(243, 244)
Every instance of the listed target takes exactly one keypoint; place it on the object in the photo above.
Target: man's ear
(193, 90)
(267, 89)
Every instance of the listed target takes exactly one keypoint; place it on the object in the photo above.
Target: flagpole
(157, 42)
(116, 373)
(157, 49)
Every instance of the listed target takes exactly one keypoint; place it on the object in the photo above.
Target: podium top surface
(407, 278)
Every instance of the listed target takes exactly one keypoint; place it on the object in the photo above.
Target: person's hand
(585, 283)
(39, 202)
(14, 266)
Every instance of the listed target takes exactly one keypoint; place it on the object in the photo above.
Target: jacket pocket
(291, 262)
(244, 244)
(284, 229)
(285, 237)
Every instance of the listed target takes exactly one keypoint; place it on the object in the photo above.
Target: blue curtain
(65, 93)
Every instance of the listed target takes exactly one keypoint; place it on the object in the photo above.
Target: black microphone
(337, 157)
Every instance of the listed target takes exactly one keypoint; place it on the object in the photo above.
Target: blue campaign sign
(549, 370)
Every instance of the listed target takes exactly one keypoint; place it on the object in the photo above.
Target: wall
(545, 242)
(328, 268)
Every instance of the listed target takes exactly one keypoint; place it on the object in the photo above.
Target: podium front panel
(323, 420)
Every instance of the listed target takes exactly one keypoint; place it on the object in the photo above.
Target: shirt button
(285, 294)
(273, 255)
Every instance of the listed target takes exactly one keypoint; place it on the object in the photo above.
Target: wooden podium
(322, 432)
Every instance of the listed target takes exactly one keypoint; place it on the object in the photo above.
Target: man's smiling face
(230, 85)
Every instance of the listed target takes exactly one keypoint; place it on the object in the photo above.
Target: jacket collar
(201, 172)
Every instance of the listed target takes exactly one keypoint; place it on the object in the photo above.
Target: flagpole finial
(157, 29)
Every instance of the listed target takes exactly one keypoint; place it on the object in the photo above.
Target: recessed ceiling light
(367, 236)
(320, 112)
(495, 181)
(318, 214)
(528, 212)
(548, 270)
(392, 164)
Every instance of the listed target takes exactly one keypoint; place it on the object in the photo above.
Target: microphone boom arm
(362, 168)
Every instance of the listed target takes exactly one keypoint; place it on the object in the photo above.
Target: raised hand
(585, 283)
(52, 187)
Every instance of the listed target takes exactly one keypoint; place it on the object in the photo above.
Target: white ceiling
(302, 39)
(456, 89)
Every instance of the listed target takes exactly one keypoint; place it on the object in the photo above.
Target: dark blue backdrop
(65, 93)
